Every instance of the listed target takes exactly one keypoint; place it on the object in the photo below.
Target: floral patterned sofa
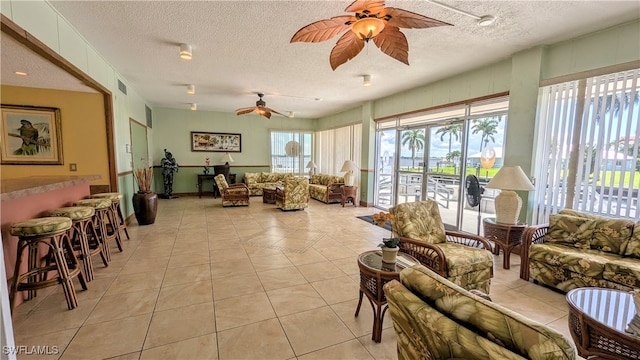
(577, 249)
(258, 181)
(436, 319)
(326, 188)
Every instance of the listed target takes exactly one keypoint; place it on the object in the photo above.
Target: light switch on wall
(73, 167)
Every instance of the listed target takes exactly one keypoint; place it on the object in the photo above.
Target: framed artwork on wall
(220, 142)
(30, 135)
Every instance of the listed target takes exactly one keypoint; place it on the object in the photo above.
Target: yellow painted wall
(84, 139)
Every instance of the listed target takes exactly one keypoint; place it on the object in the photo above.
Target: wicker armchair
(232, 195)
(462, 258)
(293, 195)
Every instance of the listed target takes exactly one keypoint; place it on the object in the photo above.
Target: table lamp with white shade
(311, 166)
(508, 203)
(226, 158)
(348, 168)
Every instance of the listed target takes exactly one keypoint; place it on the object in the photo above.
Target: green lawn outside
(451, 171)
(605, 180)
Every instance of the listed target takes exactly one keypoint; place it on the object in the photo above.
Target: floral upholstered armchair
(232, 195)
(437, 319)
(294, 194)
(462, 258)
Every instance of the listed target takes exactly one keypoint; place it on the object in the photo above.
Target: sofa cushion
(325, 179)
(423, 332)
(462, 259)
(267, 177)
(570, 230)
(582, 261)
(419, 220)
(505, 327)
(609, 234)
(625, 271)
(632, 247)
(252, 178)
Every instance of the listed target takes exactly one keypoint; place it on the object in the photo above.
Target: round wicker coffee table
(597, 322)
(373, 275)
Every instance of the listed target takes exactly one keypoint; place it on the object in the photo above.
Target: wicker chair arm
(468, 239)
(429, 255)
(335, 188)
(532, 235)
(242, 185)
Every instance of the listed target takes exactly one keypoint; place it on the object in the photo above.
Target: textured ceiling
(242, 47)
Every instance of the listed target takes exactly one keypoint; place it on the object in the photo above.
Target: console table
(205, 177)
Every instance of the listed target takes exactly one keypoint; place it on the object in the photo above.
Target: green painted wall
(172, 130)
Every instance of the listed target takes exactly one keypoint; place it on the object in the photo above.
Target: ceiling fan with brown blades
(372, 20)
(260, 109)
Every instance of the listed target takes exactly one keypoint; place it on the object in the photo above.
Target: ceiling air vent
(122, 87)
(147, 111)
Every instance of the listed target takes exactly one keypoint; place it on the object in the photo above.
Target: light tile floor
(206, 282)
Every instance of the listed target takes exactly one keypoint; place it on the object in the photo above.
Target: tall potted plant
(145, 201)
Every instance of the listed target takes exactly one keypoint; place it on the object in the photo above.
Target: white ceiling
(242, 47)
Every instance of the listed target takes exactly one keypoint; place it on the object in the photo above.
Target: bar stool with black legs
(115, 198)
(54, 233)
(84, 236)
(102, 208)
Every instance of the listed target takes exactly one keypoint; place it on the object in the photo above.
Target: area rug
(369, 219)
(387, 225)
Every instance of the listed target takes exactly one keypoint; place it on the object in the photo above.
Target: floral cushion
(632, 247)
(325, 179)
(40, 226)
(587, 262)
(479, 328)
(269, 177)
(609, 234)
(623, 271)
(74, 212)
(419, 220)
(113, 196)
(570, 230)
(221, 182)
(251, 178)
(95, 203)
(463, 259)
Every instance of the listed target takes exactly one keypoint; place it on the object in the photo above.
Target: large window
(588, 141)
(428, 155)
(334, 146)
(290, 151)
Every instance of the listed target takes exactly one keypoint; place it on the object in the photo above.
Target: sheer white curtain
(290, 151)
(588, 141)
(334, 146)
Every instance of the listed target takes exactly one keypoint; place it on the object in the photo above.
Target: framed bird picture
(30, 135)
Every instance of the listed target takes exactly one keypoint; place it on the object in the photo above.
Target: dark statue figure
(169, 166)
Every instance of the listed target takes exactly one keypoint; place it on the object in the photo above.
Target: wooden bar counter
(26, 198)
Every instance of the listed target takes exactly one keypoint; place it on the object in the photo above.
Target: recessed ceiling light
(191, 89)
(21, 73)
(366, 80)
(193, 107)
(185, 51)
